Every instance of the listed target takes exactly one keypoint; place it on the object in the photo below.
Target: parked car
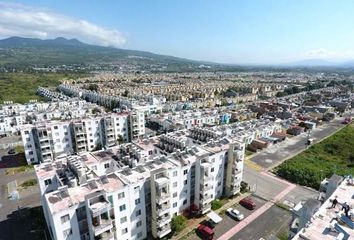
(248, 203)
(206, 232)
(11, 151)
(234, 213)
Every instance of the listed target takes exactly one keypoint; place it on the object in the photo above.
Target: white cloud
(322, 53)
(24, 21)
(318, 53)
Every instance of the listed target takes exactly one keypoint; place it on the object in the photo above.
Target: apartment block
(48, 140)
(132, 191)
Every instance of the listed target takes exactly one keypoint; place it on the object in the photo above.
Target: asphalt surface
(14, 222)
(269, 223)
(262, 185)
(228, 222)
(277, 153)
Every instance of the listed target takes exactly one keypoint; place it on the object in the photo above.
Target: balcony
(236, 171)
(103, 226)
(105, 236)
(205, 198)
(236, 181)
(163, 231)
(207, 178)
(46, 151)
(99, 207)
(205, 208)
(163, 209)
(206, 187)
(161, 221)
(162, 198)
(80, 137)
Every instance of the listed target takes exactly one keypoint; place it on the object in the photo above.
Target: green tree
(178, 223)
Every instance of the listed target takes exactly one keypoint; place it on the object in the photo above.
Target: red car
(206, 232)
(248, 203)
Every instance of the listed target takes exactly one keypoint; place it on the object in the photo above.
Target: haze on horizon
(237, 32)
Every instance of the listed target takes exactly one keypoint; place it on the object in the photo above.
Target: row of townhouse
(47, 140)
(147, 107)
(189, 119)
(133, 191)
(13, 116)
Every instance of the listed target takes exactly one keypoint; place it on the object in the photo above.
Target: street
(277, 153)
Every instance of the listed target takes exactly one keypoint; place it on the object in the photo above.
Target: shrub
(216, 204)
(178, 223)
(29, 183)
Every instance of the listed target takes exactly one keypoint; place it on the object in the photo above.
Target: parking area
(274, 221)
(228, 222)
(23, 211)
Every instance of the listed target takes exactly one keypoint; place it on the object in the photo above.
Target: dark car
(11, 151)
(206, 232)
(248, 203)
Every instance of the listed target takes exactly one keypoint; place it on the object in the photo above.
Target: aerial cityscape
(183, 120)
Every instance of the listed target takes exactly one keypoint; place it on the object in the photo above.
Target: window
(185, 202)
(67, 232)
(124, 231)
(185, 171)
(175, 173)
(212, 170)
(137, 201)
(138, 213)
(175, 204)
(140, 234)
(55, 127)
(185, 182)
(47, 181)
(123, 219)
(175, 184)
(219, 183)
(121, 195)
(122, 207)
(106, 165)
(138, 224)
(26, 132)
(65, 218)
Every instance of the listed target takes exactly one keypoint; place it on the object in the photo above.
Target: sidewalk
(194, 222)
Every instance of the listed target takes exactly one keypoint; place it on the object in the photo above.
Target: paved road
(292, 146)
(260, 184)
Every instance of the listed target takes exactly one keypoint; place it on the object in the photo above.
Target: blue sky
(240, 32)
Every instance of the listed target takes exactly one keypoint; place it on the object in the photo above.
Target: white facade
(133, 191)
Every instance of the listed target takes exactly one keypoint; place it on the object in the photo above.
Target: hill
(21, 52)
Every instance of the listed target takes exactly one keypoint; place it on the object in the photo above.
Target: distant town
(184, 155)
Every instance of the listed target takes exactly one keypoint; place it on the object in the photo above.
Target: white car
(235, 214)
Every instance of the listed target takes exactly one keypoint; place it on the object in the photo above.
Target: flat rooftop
(319, 227)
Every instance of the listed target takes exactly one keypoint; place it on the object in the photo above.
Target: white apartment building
(48, 140)
(133, 191)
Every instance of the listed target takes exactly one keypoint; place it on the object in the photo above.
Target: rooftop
(326, 223)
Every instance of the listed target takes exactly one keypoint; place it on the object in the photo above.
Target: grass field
(333, 155)
(21, 87)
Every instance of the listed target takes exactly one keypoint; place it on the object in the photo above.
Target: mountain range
(29, 52)
(19, 52)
